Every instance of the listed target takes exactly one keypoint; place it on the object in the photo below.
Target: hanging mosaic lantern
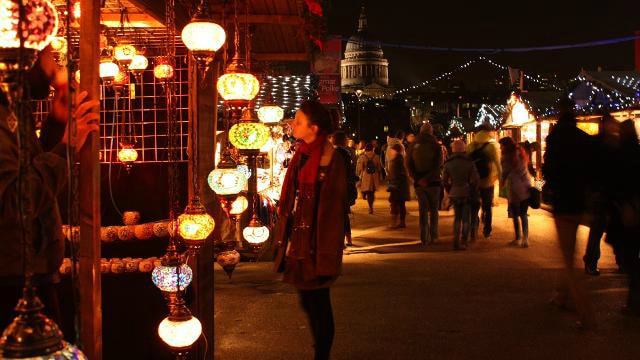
(195, 225)
(124, 54)
(255, 233)
(270, 114)
(163, 70)
(166, 278)
(139, 63)
(239, 205)
(228, 260)
(202, 36)
(249, 135)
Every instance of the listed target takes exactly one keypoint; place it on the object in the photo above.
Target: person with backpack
(398, 186)
(424, 163)
(461, 181)
(369, 169)
(340, 144)
(484, 152)
(515, 175)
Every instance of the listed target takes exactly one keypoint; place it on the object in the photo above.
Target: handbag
(534, 198)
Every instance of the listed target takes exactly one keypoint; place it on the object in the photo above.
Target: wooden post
(205, 109)
(89, 191)
(539, 149)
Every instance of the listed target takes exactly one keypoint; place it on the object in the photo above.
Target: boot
(402, 223)
(525, 242)
(394, 221)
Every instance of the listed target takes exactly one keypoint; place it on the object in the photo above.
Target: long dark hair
(318, 115)
(512, 152)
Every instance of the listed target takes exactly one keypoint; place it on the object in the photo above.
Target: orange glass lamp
(202, 36)
(195, 225)
(37, 34)
(127, 155)
(124, 54)
(237, 86)
(270, 114)
(108, 70)
(163, 70)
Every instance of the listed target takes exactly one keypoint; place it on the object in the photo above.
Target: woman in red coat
(310, 231)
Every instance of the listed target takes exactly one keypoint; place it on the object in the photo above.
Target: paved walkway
(398, 300)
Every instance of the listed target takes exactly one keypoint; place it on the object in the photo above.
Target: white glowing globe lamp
(270, 114)
(139, 63)
(180, 334)
(227, 181)
(109, 70)
(256, 235)
(203, 36)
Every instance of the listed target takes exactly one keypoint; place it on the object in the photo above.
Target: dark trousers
(317, 305)
(596, 230)
(370, 196)
(10, 293)
(398, 208)
(486, 200)
(428, 201)
(461, 221)
(519, 213)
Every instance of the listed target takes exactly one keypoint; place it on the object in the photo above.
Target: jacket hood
(426, 138)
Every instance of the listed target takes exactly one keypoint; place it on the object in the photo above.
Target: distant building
(364, 66)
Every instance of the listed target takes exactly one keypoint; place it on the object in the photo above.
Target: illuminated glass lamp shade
(270, 114)
(163, 70)
(255, 233)
(238, 86)
(227, 181)
(68, 352)
(228, 260)
(77, 76)
(239, 205)
(108, 70)
(139, 63)
(178, 333)
(195, 225)
(202, 36)
(166, 277)
(124, 53)
(249, 135)
(127, 154)
(39, 29)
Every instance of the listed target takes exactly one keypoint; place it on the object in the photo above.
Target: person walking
(391, 141)
(424, 163)
(626, 202)
(310, 230)
(398, 186)
(601, 193)
(340, 144)
(484, 152)
(516, 177)
(461, 180)
(567, 171)
(369, 169)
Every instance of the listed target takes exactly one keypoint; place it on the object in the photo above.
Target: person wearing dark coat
(461, 180)
(398, 186)
(567, 171)
(311, 221)
(627, 209)
(340, 143)
(47, 175)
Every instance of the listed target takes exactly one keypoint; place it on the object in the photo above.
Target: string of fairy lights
(536, 78)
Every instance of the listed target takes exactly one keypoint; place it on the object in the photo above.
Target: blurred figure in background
(567, 170)
(398, 186)
(515, 175)
(340, 143)
(461, 180)
(369, 169)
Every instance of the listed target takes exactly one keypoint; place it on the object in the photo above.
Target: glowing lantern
(227, 181)
(228, 260)
(139, 63)
(255, 233)
(166, 277)
(518, 112)
(121, 79)
(77, 76)
(195, 225)
(202, 36)
(76, 10)
(180, 329)
(239, 206)
(249, 135)
(124, 53)
(270, 114)
(238, 86)
(108, 70)
(38, 28)
(127, 154)
(163, 69)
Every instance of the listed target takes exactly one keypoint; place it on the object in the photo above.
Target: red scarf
(307, 175)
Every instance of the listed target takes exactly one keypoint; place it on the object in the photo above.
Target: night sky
(493, 24)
